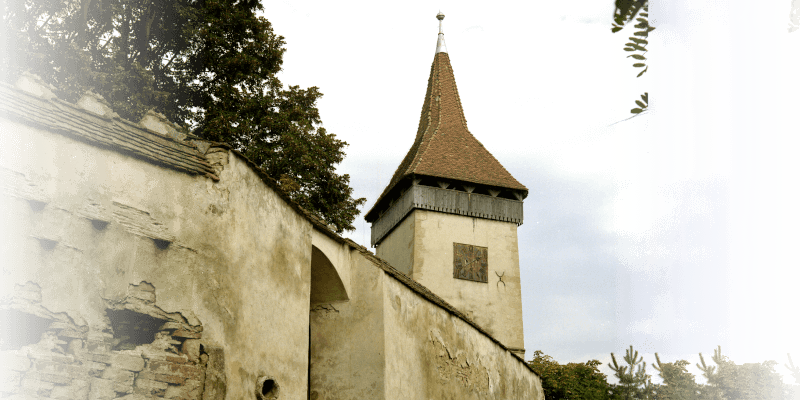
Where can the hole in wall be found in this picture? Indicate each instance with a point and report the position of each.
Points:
(99, 225)
(36, 205)
(133, 329)
(161, 243)
(19, 329)
(267, 388)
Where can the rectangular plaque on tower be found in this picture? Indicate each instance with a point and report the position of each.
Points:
(470, 262)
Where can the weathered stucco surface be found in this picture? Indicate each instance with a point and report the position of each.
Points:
(84, 223)
(398, 246)
(431, 354)
(497, 305)
(347, 340)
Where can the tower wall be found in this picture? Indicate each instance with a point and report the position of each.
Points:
(425, 239)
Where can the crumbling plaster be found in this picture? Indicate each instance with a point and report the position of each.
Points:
(425, 240)
(431, 354)
(235, 255)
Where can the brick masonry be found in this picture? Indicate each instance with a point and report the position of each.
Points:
(70, 361)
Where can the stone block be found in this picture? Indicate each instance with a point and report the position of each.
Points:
(57, 368)
(128, 362)
(99, 358)
(57, 378)
(10, 381)
(166, 378)
(70, 392)
(35, 387)
(13, 361)
(169, 368)
(98, 347)
(192, 390)
(149, 387)
(101, 389)
(183, 333)
(118, 375)
(94, 368)
(191, 348)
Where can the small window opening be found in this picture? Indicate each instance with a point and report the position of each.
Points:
(19, 329)
(133, 329)
(47, 244)
(36, 205)
(99, 225)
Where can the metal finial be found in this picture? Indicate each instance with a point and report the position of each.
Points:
(440, 46)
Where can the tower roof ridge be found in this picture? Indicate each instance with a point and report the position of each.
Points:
(444, 147)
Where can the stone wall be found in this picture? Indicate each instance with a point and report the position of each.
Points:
(225, 264)
(432, 354)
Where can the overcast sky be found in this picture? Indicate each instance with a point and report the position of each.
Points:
(675, 231)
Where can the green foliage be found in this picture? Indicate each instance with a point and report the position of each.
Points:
(210, 64)
(678, 383)
(634, 382)
(570, 381)
(626, 11)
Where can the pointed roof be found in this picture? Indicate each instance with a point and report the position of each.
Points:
(444, 147)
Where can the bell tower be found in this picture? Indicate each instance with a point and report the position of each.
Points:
(448, 218)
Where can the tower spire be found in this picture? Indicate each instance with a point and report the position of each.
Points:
(440, 46)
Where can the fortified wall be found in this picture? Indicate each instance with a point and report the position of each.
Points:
(140, 262)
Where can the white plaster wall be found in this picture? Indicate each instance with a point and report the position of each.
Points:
(398, 246)
(347, 339)
(496, 306)
(238, 263)
(431, 354)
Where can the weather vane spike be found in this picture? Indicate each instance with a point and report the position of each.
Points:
(440, 46)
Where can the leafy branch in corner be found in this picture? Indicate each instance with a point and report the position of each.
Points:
(626, 11)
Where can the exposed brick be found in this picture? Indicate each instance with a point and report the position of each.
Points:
(165, 367)
(192, 390)
(14, 362)
(10, 381)
(191, 347)
(101, 389)
(59, 378)
(127, 361)
(187, 334)
(177, 359)
(173, 379)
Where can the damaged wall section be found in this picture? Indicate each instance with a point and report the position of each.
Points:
(143, 352)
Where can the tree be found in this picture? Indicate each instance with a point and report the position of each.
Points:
(634, 382)
(572, 380)
(753, 381)
(626, 11)
(678, 383)
(210, 64)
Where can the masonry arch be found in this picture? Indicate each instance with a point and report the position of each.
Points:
(326, 284)
(330, 269)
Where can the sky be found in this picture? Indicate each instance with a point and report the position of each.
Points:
(674, 231)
